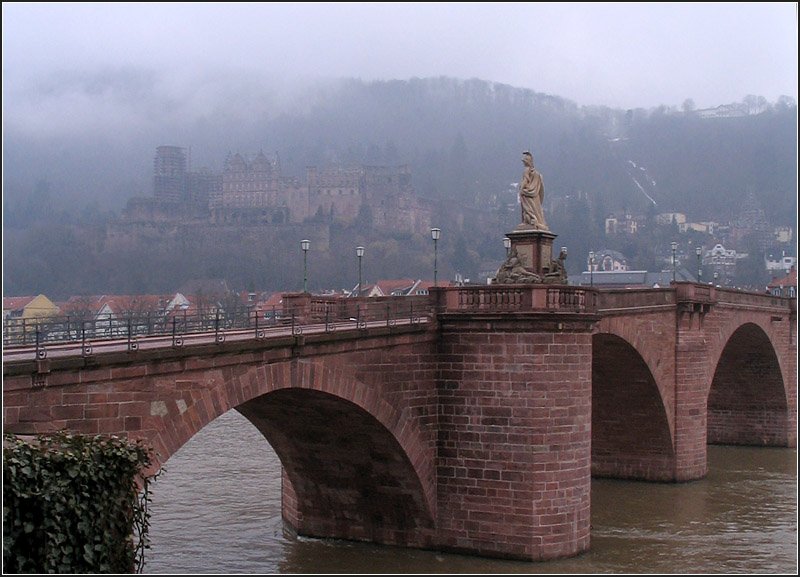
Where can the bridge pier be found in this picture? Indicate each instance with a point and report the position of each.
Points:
(513, 475)
(690, 391)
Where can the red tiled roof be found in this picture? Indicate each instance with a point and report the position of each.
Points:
(787, 281)
(274, 300)
(428, 284)
(16, 303)
(117, 303)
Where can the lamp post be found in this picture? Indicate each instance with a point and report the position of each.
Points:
(507, 244)
(674, 247)
(305, 244)
(359, 254)
(699, 251)
(591, 268)
(435, 234)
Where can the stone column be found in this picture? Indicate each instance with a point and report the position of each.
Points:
(513, 475)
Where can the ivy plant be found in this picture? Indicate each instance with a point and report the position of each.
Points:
(75, 504)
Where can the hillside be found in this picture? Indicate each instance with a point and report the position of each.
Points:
(463, 140)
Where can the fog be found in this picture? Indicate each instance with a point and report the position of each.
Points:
(622, 55)
(89, 90)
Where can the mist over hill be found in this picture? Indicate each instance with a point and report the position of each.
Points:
(462, 139)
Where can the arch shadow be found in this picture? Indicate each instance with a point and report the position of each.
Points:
(631, 436)
(747, 401)
(345, 475)
(354, 466)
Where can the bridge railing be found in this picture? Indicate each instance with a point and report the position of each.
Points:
(294, 312)
(516, 298)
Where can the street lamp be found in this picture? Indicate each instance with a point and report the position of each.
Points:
(359, 254)
(305, 244)
(435, 234)
(591, 268)
(507, 244)
(674, 246)
(698, 251)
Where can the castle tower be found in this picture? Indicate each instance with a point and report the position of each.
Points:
(169, 174)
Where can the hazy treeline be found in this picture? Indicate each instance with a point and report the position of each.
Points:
(463, 140)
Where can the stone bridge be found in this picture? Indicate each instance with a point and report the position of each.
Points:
(476, 428)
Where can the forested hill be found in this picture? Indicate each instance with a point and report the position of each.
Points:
(463, 139)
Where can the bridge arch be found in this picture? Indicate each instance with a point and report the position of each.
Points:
(345, 474)
(631, 431)
(747, 401)
(354, 466)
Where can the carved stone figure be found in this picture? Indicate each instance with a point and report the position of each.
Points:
(531, 195)
(512, 272)
(558, 272)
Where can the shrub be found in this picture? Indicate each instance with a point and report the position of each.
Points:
(75, 504)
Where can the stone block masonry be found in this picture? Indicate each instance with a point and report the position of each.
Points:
(513, 472)
(476, 431)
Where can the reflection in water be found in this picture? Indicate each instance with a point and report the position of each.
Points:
(216, 509)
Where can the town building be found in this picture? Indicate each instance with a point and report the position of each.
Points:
(665, 218)
(625, 224)
(783, 264)
(784, 286)
(722, 261)
(29, 307)
(607, 260)
(399, 287)
(733, 110)
(784, 234)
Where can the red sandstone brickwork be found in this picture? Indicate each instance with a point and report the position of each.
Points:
(652, 335)
(474, 439)
(633, 394)
(349, 477)
(376, 490)
(631, 436)
(682, 349)
(747, 404)
(360, 455)
(736, 331)
(691, 393)
(514, 438)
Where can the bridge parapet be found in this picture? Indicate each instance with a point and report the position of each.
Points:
(687, 295)
(319, 308)
(741, 298)
(515, 298)
(614, 299)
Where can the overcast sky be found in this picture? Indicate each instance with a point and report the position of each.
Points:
(621, 55)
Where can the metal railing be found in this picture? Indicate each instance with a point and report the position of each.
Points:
(330, 314)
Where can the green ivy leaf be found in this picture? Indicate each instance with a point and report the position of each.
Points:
(80, 494)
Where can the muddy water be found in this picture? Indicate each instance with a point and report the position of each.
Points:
(216, 509)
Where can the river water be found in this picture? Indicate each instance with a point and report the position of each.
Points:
(216, 509)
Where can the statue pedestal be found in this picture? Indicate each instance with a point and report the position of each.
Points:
(534, 248)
